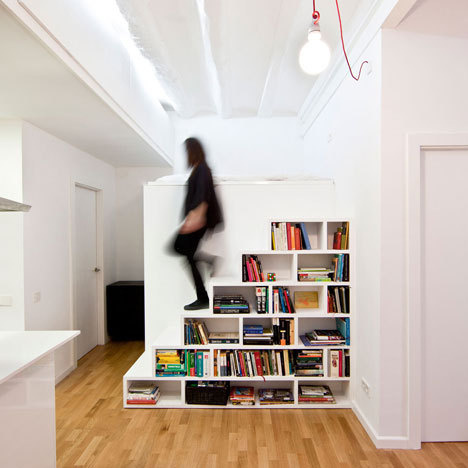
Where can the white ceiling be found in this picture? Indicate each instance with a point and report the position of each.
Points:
(38, 87)
(232, 57)
(444, 18)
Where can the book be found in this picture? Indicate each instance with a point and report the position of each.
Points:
(275, 396)
(306, 300)
(223, 337)
(305, 236)
(242, 396)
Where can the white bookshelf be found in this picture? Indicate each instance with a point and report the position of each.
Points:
(285, 264)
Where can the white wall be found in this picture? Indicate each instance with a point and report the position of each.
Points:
(129, 219)
(50, 167)
(424, 90)
(245, 146)
(344, 144)
(11, 227)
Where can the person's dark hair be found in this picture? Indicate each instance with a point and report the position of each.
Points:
(195, 152)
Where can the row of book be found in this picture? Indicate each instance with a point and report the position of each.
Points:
(338, 300)
(252, 270)
(252, 363)
(230, 304)
(281, 333)
(143, 393)
(338, 363)
(341, 335)
(179, 363)
(341, 237)
(289, 236)
(309, 362)
(340, 266)
(282, 302)
(245, 396)
(196, 333)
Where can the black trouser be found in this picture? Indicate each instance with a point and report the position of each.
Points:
(187, 244)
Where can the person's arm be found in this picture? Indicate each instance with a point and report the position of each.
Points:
(195, 220)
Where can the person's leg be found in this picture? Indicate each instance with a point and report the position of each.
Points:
(187, 244)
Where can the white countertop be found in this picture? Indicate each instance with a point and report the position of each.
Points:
(20, 349)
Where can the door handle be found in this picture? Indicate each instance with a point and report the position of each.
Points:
(97, 270)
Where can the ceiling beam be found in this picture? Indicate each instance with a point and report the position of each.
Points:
(399, 13)
(217, 74)
(284, 22)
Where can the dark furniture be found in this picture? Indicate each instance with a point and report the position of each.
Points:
(126, 310)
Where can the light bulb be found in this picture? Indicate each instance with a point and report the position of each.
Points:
(314, 55)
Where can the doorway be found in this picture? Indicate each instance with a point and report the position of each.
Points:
(86, 270)
(437, 310)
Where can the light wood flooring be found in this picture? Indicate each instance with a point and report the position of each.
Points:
(93, 430)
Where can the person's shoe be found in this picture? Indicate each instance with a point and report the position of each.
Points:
(197, 305)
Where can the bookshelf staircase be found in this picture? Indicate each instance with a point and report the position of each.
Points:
(284, 263)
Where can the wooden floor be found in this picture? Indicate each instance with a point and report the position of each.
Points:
(94, 430)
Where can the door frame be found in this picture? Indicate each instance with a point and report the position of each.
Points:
(416, 144)
(101, 329)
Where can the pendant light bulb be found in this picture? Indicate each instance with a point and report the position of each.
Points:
(314, 56)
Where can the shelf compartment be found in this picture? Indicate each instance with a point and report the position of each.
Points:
(247, 290)
(170, 393)
(309, 287)
(340, 390)
(321, 260)
(315, 234)
(273, 323)
(308, 324)
(332, 227)
(282, 264)
(213, 325)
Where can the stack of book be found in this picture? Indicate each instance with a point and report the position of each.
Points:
(230, 304)
(282, 301)
(340, 267)
(195, 332)
(289, 236)
(341, 237)
(242, 396)
(338, 363)
(275, 396)
(257, 335)
(223, 338)
(314, 274)
(197, 363)
(252, 363)
(252, 269)
(318, 394)
(309, 362)
(323, 338)
(170, 363)
(143, 393)
(262, 299)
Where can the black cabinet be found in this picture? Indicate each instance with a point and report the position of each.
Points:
(126, 310)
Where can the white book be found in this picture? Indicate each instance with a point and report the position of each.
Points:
(278, 363)
(338, 303)
(285, 236)
(206, 364)
(334, 363)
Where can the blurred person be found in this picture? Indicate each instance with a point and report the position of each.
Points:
(202, 213)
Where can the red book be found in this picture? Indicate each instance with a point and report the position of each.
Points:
(258, 363)
(337, 241)
(249, 269)
(141, 402)
(340, 363)
(254, 269)
(241, 362)
(297, 235)
(288, 233)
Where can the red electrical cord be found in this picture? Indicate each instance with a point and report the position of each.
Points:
(344, 49)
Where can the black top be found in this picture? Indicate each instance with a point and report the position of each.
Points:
(201, 189)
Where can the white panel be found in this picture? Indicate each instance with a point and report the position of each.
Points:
(85, 276)
(27, 417)
(444, 256)
(248, 209)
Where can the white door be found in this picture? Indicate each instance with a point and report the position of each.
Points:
(85, 275)
(444, 253)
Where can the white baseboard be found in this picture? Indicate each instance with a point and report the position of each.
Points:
(64, 374)
(380, 442)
